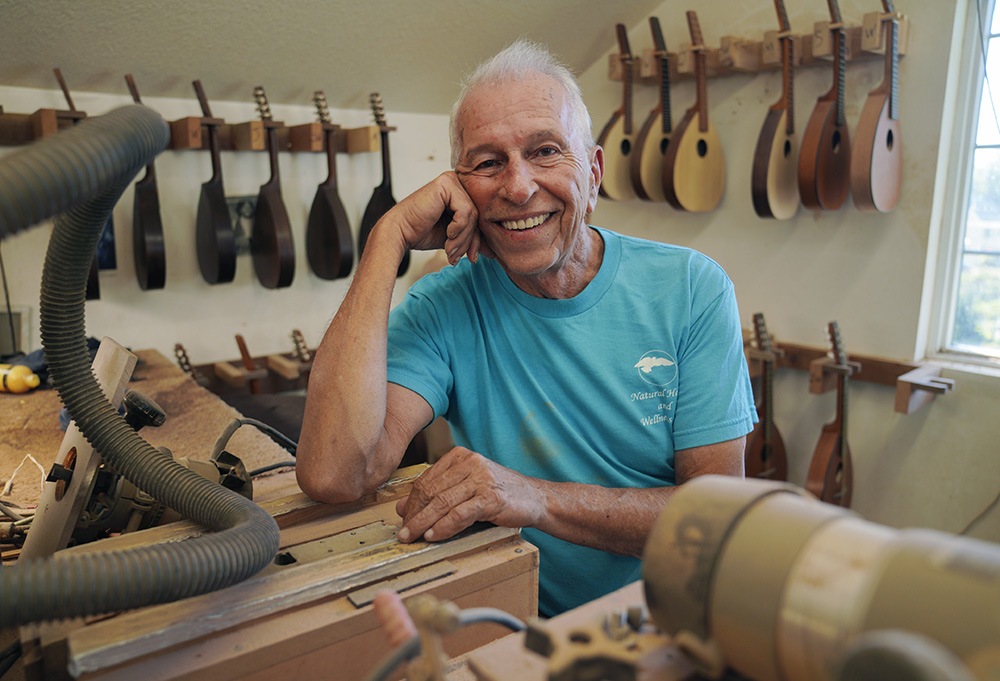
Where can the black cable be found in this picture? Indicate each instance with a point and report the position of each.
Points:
(274, 466)
(10, 313)
(280, 438)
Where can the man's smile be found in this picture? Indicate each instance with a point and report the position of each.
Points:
(527, 223)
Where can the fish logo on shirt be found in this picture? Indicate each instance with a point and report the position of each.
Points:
(657, 368)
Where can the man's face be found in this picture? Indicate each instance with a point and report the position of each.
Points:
(531, 179)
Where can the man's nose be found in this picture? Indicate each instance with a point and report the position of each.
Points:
(518, 183)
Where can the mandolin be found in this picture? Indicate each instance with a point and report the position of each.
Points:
(618, 136)
(825, 159)
(214, 237)
(93, 291)
(271, 237)
(774, 184)
(877, 159)
(329, 246)
(765, 452)
(694, 167)
(646, 166)
(830, 476)
(148, 252)
(382, 199)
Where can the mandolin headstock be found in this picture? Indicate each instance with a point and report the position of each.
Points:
(837, 344)
(263, 107)
(378, 111)
(322, 110)
(761, 336)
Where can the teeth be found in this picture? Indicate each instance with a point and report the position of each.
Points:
(524, 224)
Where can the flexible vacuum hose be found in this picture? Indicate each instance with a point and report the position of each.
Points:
(84, 171)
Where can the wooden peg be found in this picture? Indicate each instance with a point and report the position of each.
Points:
(291, 367)
(823, 373)
(919, 387)
(306, 137)
(185, 133)
(739, 55)
(363, 139)
(239, 377)
(248, 136)
(873, 32)
(822, 39)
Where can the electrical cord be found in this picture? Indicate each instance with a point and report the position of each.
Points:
(286, 442)
(411, 648)
(274, 466)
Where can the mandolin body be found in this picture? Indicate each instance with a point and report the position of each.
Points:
(271, 239)
(877, 161)
(825, 160)
(618, 151)
(694, 167)
(328, 239)
(148, 252)
(830, 476)
(646, 167)
(774, 184)
(764, 459)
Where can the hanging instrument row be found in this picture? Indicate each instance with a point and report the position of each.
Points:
(330, 248)
(684, 165)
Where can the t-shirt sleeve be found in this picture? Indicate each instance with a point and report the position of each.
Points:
(715, 399)
(417, 352)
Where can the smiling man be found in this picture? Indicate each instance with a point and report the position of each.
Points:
(584, 374)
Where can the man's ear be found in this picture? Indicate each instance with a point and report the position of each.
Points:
(596, 174)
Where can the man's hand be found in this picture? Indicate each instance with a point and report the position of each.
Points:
(464, 487)
(439, 215)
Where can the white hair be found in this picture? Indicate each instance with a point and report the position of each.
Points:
(519, 61)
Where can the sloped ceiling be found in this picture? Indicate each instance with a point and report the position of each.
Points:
(412, 51)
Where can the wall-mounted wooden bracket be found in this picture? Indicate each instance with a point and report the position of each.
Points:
(740, 55)
(20, 129)
(190, 133)
(239, 377)
(755, 357)
(919, 387)
(823, 374)
(873, 35)
(293, 366)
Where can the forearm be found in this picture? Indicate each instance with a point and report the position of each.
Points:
(616, 520)
(341, 451)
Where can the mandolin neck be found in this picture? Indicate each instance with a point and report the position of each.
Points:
(892, 66)
(386, 174)
(627, 64)
(272, 152)
(839, 73)
(841, 419)
(767, 397)
(666, 116)
(788, 93)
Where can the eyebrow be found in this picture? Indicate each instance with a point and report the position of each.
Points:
(534, 137)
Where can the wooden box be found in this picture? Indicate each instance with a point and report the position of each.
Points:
(308, 619)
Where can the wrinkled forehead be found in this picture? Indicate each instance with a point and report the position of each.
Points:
(535, 97)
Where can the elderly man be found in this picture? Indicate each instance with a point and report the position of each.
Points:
(584, 374)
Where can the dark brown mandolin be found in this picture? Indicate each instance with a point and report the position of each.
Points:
(765, 452)
(825, 159)
(214, 237)
(271, 239)
(830, 476)
(382, 199)
(328, 233)
(148, 252)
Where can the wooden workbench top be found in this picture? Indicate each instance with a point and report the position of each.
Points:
(29, 425)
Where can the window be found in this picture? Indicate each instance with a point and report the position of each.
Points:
(975, 318)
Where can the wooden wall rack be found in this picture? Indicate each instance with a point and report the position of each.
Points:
(736, 55)
(189, 133)
(916, 384)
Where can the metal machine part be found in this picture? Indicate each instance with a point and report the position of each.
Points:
(760, 577)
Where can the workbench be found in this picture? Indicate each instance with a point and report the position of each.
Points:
(309, 614)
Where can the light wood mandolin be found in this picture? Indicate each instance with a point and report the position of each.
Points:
(825, 159)
(774, 183)
(694, 167)
(830, 476)
(646, 166)
(618, 136)
(765, 452)
(877, 160)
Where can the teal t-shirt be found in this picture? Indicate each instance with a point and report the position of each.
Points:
(600, 388)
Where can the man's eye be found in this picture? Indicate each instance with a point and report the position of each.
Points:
(487, 165)
(547, 151)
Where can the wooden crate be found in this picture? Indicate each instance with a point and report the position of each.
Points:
(309, 620)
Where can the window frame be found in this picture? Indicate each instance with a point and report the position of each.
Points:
(955, 163)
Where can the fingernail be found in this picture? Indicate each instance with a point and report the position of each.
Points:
(429, 535)
(404, 535)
